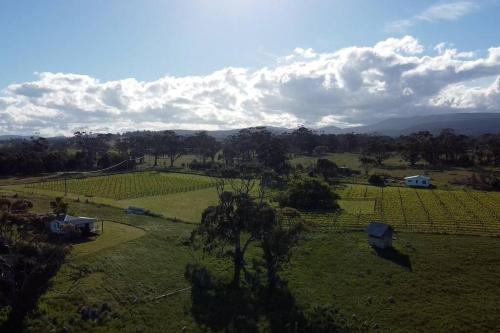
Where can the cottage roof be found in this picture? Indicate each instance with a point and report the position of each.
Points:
(377, 229)
(416, 176)
(74, 219)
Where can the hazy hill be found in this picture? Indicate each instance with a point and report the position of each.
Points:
(462, 123)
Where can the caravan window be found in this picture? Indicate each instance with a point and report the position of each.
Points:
(424, 182)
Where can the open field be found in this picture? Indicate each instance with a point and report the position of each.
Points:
(395, 167)
(416, 210)
(184, 197)
(435, 283)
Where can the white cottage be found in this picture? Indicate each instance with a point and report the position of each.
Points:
(380, 235)
(418, 181)
(85, 224)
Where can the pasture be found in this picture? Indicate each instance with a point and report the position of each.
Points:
(438, 283)
(444, 178)
(185, 196)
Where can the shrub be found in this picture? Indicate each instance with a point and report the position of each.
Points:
(376, 180)
(309, 194)
(21, 206)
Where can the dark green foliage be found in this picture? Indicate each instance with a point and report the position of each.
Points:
(21, 206)
(58, 206)
(326, 168)
(27, 262)
(376, 180)
(309, 194)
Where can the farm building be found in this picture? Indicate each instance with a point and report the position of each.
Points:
(136, 211)
(418, 181)
(380, 235)
(85, 224)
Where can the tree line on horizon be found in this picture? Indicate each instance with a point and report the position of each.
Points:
(87, 151)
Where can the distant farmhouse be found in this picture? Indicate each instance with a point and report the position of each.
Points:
(380, 235)
(418, 181)
(87, 225)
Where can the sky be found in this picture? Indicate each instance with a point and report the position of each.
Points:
(115, 66)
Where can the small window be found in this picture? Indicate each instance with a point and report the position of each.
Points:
(416, 181)
(424, 182)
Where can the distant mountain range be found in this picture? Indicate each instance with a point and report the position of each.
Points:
(462, 123)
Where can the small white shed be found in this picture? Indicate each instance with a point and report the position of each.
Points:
(380, 235)
(418, 181)
(85, 224)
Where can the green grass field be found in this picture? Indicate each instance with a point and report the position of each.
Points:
(185, 196)
(394, 166)
(437, 283)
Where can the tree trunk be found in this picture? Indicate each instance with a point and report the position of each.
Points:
(238, 262)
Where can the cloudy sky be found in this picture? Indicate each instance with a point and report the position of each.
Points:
(114, 66)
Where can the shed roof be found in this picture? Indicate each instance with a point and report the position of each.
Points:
(377, 229)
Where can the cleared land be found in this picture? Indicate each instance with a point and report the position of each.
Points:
(185, 196)
(395, 167)
(434, 283)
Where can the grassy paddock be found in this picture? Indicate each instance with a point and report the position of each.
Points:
(432, 283)
(395, 167)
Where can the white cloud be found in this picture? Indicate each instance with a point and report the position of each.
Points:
(350, 86)
(449, 11)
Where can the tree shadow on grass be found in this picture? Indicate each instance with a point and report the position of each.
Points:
(217, 306)
(395, 256)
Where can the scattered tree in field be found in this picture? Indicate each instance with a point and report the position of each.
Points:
(235, 222)
(326, 168)
(58, 206)
(92, 146)
(173, 146)
(379, 148)
(367, 163)
(309, 194)
(203, 145)
(282, 232)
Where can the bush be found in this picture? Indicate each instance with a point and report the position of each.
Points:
(199, 165)
(21, 206)
(376, 180)
(326, 168)
(309, 194)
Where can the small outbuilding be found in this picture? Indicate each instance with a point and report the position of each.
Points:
(136, 211)
(380, 235)
(418, 181)
(86, 224)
